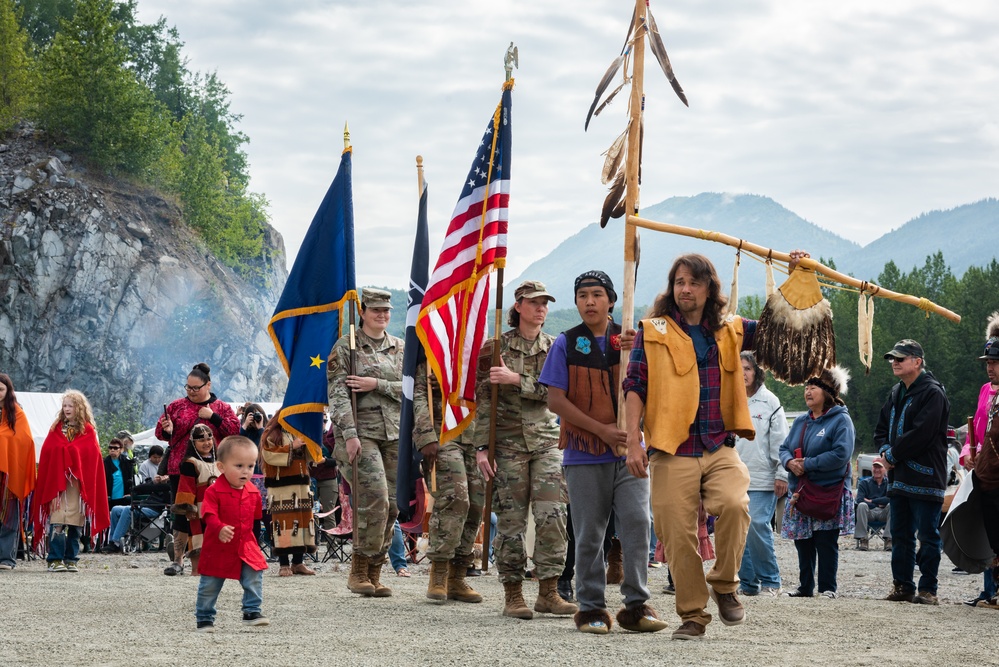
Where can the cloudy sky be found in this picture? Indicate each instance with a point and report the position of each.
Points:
(856, 115)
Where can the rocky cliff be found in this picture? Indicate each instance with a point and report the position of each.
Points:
(103, 288)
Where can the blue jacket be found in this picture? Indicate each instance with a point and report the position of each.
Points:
(826, 443)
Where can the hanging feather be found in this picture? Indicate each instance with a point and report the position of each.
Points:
(795, 338)
(638, 252)
(611, 71)
(771, 285)
(615, 155)
(611, 96)
(659, 51)
(733, 299)
(614, 202)
(865, 330)
(641, 144)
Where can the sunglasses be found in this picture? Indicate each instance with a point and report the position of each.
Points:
(113, 449)
(897, 360)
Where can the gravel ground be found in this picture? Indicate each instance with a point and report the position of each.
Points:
(120, 609)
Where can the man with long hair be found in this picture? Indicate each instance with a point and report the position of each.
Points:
(685, 378)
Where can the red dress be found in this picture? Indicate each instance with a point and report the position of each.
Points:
(184, 414)
(226, 506)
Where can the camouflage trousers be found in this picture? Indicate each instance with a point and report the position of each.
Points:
(529, 482)
(458, 503)
(375, 493)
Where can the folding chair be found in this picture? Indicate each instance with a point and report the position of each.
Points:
(337, 538)
(419, 526)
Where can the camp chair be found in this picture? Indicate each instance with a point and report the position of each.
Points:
(418, 526)
(337, 538)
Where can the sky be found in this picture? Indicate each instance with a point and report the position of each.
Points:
(856, 115)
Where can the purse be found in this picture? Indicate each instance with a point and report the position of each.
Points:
(818, 502)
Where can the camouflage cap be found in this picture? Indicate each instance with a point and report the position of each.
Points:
(530, 289)
(372, 297)
(905, 348)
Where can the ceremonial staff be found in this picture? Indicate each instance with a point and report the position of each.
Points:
(510, 60)
(353, 394)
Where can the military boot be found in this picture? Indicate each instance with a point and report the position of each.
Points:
(550, 602)
(358, 581)
(457, 589)
(514, 605)
(375, 574)
(615, 567)
(437, 588)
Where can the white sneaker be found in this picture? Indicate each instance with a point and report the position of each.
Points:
(828, 594)
(772, 592)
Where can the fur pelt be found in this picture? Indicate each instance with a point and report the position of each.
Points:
(793, 344)
(992, 328)
(582, 618)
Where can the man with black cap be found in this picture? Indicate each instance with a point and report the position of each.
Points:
(873, 505)
(582, 373)
(911, 436)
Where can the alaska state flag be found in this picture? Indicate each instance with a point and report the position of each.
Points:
(307, 319)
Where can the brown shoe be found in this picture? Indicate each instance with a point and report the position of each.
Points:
(358, 581)
(375, 576)
(550, 602)
(925, 597)
(615, 565)
(899, 594)
(457, 588)
(514, 605)
(640, 619)
(863, 544)
(887, 544)
(689, 630)
(285, 571)
(730, 610)
(437, 586)
(302, 568)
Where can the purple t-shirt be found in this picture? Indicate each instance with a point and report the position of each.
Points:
(556, 374)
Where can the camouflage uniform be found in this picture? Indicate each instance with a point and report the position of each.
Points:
(528, 462)
(460, 493)
(377, 428)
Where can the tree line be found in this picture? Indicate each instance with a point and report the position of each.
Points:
(98, 82)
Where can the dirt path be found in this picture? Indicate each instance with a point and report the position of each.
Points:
(122, 610)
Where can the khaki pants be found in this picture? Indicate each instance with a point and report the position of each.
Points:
(679, 484)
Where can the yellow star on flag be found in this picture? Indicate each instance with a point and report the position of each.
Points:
(317, 361)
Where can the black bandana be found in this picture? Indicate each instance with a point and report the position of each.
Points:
(596, 279)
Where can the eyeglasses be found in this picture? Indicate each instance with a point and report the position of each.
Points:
(193, 389)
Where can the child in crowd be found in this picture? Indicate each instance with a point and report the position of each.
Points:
(197, 472)
(230, 549)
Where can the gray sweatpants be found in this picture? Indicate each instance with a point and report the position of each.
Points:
(595, 491)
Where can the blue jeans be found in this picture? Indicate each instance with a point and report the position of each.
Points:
(10, 531)
(823, 546)
(759, 562)
(64, 543)
(121, 520)
(209, 588)
(911, 518)
(397, 551)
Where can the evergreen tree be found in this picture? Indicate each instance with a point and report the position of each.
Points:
(15, 67)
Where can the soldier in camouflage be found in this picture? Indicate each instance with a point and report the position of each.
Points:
(527, 470)
(458, 499)
(374, 439)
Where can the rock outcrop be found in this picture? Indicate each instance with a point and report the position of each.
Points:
(103, 288)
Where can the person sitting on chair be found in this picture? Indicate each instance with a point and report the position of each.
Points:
(157, 497)
(873, 505)
(148, 469)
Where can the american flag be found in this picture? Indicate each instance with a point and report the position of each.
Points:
(452, 320)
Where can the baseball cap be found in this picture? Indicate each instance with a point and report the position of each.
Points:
(905, 348)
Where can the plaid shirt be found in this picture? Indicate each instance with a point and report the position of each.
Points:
(708, 430)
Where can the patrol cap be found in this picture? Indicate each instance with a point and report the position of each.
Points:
(372, 297)
(905, 348)
(530, 289)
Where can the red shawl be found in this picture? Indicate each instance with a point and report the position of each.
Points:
(17, 455)
(81, 459)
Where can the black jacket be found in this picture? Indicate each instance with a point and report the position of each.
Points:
(127, 474)
(912, 436)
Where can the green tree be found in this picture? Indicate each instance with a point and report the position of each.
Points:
(40, 18)
(92, 101)
(15, 67)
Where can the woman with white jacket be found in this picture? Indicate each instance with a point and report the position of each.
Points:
(767, 482)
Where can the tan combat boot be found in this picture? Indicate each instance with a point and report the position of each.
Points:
(457, 588)
(437, 588)
(514, 605)
(375, 575)
(358, 581)
(615, 567)
(550, 602)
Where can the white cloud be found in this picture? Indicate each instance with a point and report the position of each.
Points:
(857, 116)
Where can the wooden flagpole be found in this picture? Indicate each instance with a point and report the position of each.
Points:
(353, 396)
(632, 166)
(430, 391)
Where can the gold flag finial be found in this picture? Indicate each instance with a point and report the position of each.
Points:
(346, 136)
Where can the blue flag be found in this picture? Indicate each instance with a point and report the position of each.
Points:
(307, 320)
(409, 457)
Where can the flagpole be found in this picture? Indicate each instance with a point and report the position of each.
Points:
(632, 167)
(430, 389)
(353, 395)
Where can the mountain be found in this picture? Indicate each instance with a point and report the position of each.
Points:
(752, 217)
(959, 233)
